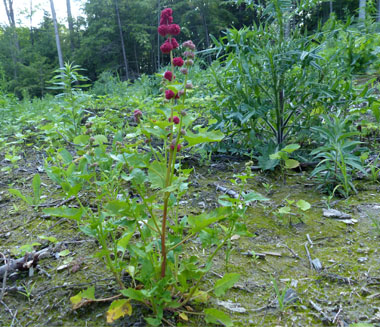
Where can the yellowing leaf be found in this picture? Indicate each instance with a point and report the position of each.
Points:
(183, 316)
(118, 309)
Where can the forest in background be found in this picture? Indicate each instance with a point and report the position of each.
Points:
(95, 41)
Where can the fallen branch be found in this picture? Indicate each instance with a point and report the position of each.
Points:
(25, 263)
(227, 191)
(5, 276)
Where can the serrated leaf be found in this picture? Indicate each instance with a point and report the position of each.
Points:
(157, 175)
(222, 285)
(215, 316)
(118, 309)
(303, 205)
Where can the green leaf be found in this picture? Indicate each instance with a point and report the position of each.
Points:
(133, 294)
(253, 196)
(361, 324)
(303, 205)
(51, 239)
(291, 148)
(36, 185)
(215, 316)
(71, 213)
(81, 139)
(376, 111)
(123, 242)
(222, 285)
(275, 156)
(203, 136)
(203, 220)
(66, 156)
(100, 139)
(64, 253)
(81, 297)
(291, 163)
(137, 175)
(284, 210)
(157, 175)
(17, 193)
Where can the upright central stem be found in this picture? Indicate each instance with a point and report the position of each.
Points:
(164, 218)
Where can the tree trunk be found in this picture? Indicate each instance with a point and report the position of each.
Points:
(12, 24)
(331, 7)
(58, 42)
(122, 40)
(362, 5)
(71, 25)
(378, 11)
(206, 33)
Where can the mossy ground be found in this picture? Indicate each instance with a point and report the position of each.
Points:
(347, 290)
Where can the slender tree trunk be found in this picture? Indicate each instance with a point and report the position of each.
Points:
(158, 35)
(206, 32)
(378, 11)
(362, 6)
(15, 48)
(331, 7)
(136, 59)
(122, 40)
(57, 40)
(71, 25)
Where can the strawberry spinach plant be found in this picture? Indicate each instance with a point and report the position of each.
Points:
(134, 183)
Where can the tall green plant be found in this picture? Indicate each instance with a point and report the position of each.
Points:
(337, 160)
(134, 212)
(270, 74)
(68, 80)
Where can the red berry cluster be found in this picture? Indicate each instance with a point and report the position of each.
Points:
(168, 29)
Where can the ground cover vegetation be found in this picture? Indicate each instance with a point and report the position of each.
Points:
(235, 183)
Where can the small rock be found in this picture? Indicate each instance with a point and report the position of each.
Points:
(362, 259)
(333, 213)
(317, 264)
(202, 204)
(363, 250)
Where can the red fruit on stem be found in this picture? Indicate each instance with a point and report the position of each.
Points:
(178, 62)
(169, 94)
